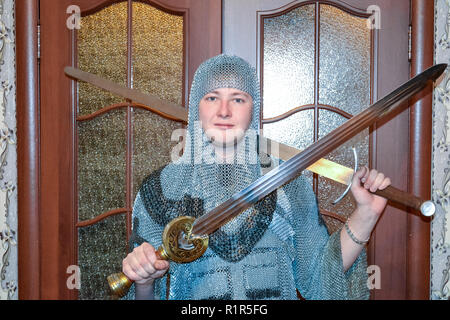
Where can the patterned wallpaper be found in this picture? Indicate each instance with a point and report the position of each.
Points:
(440, 242)
(8, 154)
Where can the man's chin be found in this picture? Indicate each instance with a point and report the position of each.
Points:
(226, 139)
(224, 143)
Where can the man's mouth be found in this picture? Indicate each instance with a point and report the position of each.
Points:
(224, 126)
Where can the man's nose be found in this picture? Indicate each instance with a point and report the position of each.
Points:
(224, 109)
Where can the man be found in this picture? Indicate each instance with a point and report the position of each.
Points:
(271, 250)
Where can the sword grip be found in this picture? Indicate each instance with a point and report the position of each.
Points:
(426, 207)
(119, 283)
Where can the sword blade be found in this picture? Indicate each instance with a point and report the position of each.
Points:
(290, 169)
(332, 170)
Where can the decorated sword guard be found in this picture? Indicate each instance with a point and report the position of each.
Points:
(178, 245)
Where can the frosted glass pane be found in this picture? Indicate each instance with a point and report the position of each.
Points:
(101, 164)
(157, 52)
(288, 68)
(330, 190)
(152, 144)
(344, 68)
(158, 70)
(101, 249)
(296, 130)
(328, 121)
(102, 50)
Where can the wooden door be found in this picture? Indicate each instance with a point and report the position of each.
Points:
(320, 63)
(49, 124)
(95, 148)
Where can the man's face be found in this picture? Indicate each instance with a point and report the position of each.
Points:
(225, 114)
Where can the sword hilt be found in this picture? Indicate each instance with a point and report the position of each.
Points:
(426, 207)
(119, 283)
(178, 246)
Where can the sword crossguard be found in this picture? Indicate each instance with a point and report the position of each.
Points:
(355, 155)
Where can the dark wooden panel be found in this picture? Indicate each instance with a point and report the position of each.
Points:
(204, 33)
(57, 152)
(391, 152)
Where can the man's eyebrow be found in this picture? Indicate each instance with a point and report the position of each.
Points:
(240, 93)
(232, 94)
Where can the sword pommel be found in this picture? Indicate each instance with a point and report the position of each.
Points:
(428, 208)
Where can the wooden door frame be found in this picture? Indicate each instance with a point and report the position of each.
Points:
(32, 223)
(421, 124)
(28, 149)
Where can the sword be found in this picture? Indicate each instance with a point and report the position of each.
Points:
(194, 232)
(290, 169)
(323, 167)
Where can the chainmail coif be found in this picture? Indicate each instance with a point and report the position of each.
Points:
(269, 251)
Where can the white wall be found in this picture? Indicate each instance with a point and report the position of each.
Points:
(440, 242)
(8, 154)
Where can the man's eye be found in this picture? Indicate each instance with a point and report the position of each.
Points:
(210, 98)
(239, 100)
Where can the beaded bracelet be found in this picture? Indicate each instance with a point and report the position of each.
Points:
(352, 236)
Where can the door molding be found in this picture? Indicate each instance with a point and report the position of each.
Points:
(28, 149)
(421, 122)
